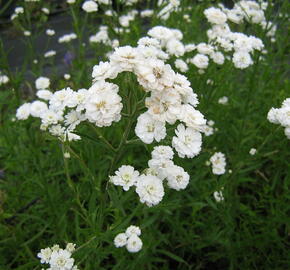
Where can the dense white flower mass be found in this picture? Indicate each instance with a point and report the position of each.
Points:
(57, 258)
(281, 116)
(218, 162)
(130, 239)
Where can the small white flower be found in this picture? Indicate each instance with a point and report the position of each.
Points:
(187, 141)
(253, 151)
(149, 129)
(126, 176)
(90, 6)
(61, 260)
(44, 255)
(131, 230)
(120, 240)
(134, 244)
(150, 189)
(218, 195)
(223, 100)
(177, 178)
(42, 83)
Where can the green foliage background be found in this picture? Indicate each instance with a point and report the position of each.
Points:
(46, 199)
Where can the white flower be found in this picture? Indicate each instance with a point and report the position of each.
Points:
(70, 247)
(50, 32)
(162, 152)
(60, 98)
(37, 108)
(50, 117)
(217, 57)
(253, 151)
(44, 255)
(19, 10)
(67, 38)
(3, 79)
(283, 116)
(200, 61)
(161, 167)
(23, 111)
(103, 105)
(188, 141)
(42, 83)
(177, 178)
(181, 65)
(175, 47)
(50, 53)
(149, 129)
(215, 15)
(126, 176)
(120, 240)
(73, 118)
(125, 58)
(27, 33)
(90, 6)
(67, 155)
(155, 75)
(223, 100)
(45, 10)
(164, 106)
(204, 48)
(131, 230)
(66, 76)
(150, 189)
(104, 70)
(218, 162)
(218, 195)
(192, 117)
(134, 244)
(242, 59)
(272, 116)
(61, 260)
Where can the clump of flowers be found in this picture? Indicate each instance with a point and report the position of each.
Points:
(58, 258)
(130, 239)
(281, 116)
(150, 184)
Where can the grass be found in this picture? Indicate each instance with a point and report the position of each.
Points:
(46, 199)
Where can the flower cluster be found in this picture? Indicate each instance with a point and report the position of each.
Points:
(218, 162)
(149, 184)
(58, 258)
(281, 116)
(130, 239)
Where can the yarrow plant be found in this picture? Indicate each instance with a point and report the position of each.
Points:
(125, 123)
